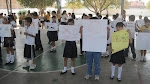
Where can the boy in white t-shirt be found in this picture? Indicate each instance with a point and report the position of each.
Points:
(29, 52)
(36, 24)
(131, 26)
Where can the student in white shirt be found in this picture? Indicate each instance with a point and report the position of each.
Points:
(140, 23)
(64, 18)
(36, 24)
(54, 14)
(29, 52)
(8, 43)
(13, 23)
(133, 29)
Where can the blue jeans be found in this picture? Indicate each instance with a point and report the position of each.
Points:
(90, 56)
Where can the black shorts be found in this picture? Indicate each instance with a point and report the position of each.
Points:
(118, 58)
(20, 22)
(8, 42)
(70, 50)
(53, 36)
(29, 52)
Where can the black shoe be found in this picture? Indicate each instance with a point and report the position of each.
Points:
(36, 49)
(111, 77)
(73, 73)
(41, 49)
(7, 63)
(11, 63)
(63, 73)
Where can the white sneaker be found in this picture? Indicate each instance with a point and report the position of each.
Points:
(87, 77)
(26, 64)
(96, 77)
(144, 59)
(32, 66)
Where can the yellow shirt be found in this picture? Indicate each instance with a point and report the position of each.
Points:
(20, 17)
(145, 29)
(48, 17)
(28, 15)
(59, 16)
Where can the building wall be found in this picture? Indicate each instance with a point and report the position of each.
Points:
(136, 4)
(15, 4)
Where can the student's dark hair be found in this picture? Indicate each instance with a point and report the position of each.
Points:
(94, 18)
(147, 21)
(11, 18)
(132, 17)
(70, 20)
(106, 19)
(140, 15)
(28, 19)
(64, 12)
(54, 12)
(35, 14)
(90, 15)
(145, 18)
(100, 16)
(114, 16)
(117, 14)
(119, 24)
(72, 13)
(97, 14)
(4, 14)
(107, 15)
(54, 16)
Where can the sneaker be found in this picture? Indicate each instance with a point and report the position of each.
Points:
(87, 77)
(63, 72)
(119, 79)
(32, 66)
(134, 59)
(111, 77)
(144, 59)
(26, 64)
(96, 77)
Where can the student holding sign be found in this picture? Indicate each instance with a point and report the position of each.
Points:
(132, 27)
(118, 57)
(95, 36)
(70, 50)
(52, 33)
(145, 28)
(8, 43)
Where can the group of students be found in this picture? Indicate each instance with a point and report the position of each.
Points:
(32, 26)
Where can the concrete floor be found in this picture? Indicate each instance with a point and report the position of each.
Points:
(49, 66)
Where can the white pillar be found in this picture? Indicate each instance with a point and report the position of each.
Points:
(122, 6)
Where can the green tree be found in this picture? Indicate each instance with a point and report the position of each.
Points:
(40, 4)
(74, 5)
(148, 5)
(97, 6)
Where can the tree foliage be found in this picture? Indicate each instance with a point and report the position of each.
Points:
(36, 3)
(148, 5)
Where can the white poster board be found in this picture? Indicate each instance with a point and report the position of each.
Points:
(95, 35)
(5, 30)
(78, 22)
(69, 33)
(131, 26)
(142, 41)
(35, 24)
(52, 26)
